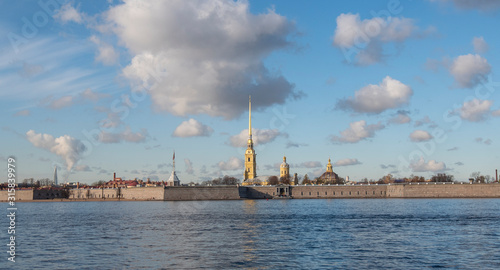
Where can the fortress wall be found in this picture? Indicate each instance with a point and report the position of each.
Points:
(143, 193)
(361, 191)
(21, 195)
(260, 192)
(95, 193)
(440, 190)
(202, 193)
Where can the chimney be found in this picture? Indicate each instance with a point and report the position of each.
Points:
(114, 176)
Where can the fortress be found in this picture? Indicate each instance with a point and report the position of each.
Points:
(185, 193)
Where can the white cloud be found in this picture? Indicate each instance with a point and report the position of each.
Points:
(189, 166)
(346, 162)
(62, 102)
(67, 147)
(233, 163)
(356, 132)
(495, 113)
(107, 54)
(127, 136)
(389, 94)
(366, 37)
(400, 118)
(485, 141)
(480, 45)
(475, 110)
(294, 144)
(92, 96)
(430, 166)
(68, 13)
(203, 57)
(420, 136)
(470, 70)
(192, 128)
(259, 136)
(423, 121)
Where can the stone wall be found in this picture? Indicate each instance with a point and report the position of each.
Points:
(143, 193)
(202, 193)
(21, 195)
(414, 190)
(361, 191)
(440, 190)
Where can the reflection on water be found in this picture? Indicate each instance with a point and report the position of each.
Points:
(320, 234)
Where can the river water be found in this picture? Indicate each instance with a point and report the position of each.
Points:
(274, 234)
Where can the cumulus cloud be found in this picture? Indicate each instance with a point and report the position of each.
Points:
(67, 13)
(480, 45)
(423, 121)
(475, 110)
(206, 57)
(420, 136)
(469, 70)
(259, 136)
(347, 162)
(389, 94)
(233, 163)
(125, 136)
(106, 53)
(192, 128)
(364, 39)
(401, 117)
(189, 166)
(67, 147)
(430, 166)
(356, 132)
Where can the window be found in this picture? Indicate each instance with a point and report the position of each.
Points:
(341, 193)
(301, 193)
(349, 193)
(374, 192)
(366, 192)
(248, 159)
(318, 193)
(309, 193)
(326, 193)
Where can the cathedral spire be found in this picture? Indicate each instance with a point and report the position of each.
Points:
(249, 117)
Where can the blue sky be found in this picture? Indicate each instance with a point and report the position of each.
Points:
(400, 87)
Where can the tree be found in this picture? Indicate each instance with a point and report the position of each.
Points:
(230, 181)
(285, 180)
(306, 180)
(273, 180)
(99, 183)
(442, 177)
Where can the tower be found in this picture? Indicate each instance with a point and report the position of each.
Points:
(173, 180)
(55, 175)
(329, 166)
(250, 162)
(284, 169)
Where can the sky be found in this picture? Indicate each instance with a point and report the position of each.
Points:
(401, 87)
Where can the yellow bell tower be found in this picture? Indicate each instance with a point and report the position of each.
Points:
(250, 162)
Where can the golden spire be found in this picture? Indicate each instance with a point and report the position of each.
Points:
(249, 117)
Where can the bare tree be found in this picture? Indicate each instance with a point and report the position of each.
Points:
(273, 180)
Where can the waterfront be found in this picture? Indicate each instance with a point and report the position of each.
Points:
(274, 234)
